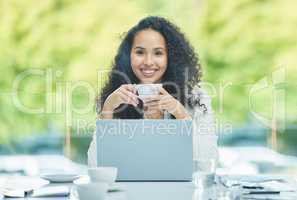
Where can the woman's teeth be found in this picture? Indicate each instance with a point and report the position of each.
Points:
(148, 72)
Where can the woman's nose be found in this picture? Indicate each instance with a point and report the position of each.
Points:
(148, 60)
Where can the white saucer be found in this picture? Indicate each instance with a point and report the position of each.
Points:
(60, 178)
(114, 187)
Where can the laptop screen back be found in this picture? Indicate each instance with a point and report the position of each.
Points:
(146, 150)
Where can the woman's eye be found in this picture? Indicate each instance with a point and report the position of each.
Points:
(139, 52)
(159, 53)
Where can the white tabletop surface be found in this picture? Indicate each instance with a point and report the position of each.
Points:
(145, 191)
(131, 190)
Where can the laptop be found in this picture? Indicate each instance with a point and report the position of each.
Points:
(146, 150)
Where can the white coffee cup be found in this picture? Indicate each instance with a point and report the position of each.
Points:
(147, 90)
(91, 191)
(103, 174)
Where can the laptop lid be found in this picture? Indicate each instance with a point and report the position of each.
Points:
(146, 150)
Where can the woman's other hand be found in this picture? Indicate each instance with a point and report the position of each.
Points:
(125, 94)
(165, 101)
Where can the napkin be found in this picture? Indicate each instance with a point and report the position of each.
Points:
(20, 186)
(51, 191)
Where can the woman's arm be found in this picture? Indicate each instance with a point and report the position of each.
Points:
(107, 111)
(125, 94)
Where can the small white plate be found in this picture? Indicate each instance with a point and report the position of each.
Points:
(60, 178)
(114, 187)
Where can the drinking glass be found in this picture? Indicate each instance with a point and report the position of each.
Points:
(204, 173)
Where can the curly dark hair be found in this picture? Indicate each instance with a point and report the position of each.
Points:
(182, 60)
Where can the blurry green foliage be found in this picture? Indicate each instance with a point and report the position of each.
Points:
(244, 42)
(239, 42)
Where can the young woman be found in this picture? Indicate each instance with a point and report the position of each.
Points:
(155, 51)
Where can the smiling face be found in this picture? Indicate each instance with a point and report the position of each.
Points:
(149, 56)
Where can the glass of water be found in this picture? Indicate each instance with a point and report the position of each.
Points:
(204, 173)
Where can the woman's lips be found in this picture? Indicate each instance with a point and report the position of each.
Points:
(148, 72)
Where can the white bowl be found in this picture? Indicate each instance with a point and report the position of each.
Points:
(91, 191)
(103, 174)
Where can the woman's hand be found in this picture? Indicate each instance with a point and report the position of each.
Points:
(125, 94)
(152, 112)
(165, 101)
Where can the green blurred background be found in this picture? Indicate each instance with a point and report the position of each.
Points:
(241, 44)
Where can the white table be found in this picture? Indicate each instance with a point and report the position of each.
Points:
(169, 191)
(149, 191)
(157, 191)
(132, 190)
(144, 191)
